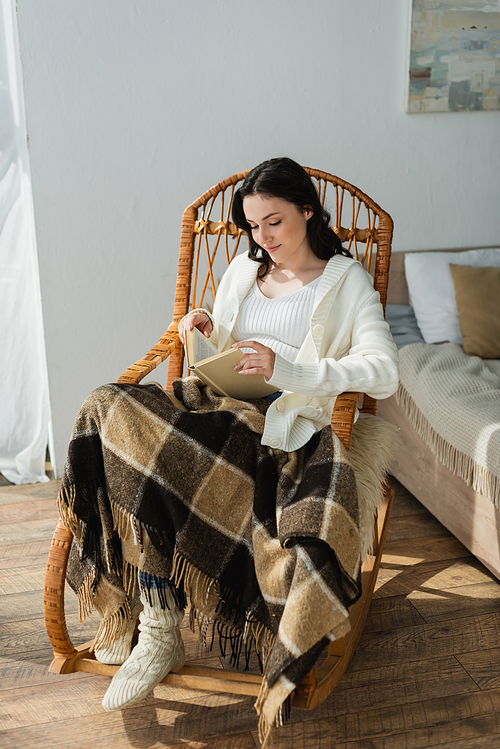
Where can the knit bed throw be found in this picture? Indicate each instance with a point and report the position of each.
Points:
(453, 402)
(264, 545)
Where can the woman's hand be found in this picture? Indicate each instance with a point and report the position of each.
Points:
(195, 320)
(261, 362)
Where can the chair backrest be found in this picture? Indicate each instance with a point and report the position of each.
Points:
(209, 241)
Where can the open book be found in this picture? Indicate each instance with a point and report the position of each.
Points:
(217, 369)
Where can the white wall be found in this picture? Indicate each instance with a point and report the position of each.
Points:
(135, 107)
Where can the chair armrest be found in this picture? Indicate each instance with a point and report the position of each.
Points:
(343, 415)
(166, 345)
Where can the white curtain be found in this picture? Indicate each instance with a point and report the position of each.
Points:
(24, 390)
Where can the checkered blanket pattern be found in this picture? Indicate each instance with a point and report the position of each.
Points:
(263, 544)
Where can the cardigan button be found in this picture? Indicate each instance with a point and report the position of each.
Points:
(318, 330)
(275, 443)
(280, 405)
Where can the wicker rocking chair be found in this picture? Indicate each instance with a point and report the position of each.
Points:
(209, 241)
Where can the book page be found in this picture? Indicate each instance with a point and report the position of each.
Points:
(200, 347)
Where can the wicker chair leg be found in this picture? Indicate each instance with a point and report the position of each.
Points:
(53, 601)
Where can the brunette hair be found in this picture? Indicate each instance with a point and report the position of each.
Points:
(284, 178)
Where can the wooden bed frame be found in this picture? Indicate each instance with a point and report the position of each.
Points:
(470, 516)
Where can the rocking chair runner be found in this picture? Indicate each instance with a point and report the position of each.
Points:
(209, 241)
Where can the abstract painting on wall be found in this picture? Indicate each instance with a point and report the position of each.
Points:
(454, 56)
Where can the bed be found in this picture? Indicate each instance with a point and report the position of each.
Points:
(448, 403)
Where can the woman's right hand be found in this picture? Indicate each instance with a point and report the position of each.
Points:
(195, 320)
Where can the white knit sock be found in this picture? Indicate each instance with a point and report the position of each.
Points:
(159, 650)
(119, 650)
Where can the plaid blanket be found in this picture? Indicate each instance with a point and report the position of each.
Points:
(176, 486)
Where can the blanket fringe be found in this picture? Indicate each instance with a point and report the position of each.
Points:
(272, 714)
(459, 463)
(197, 587)
(201, 588)
(264, 725)
(112, 628)
(214, 608)
(86, 596)
(211, 611)
(130, 580)
(124, 522)
(65, 504)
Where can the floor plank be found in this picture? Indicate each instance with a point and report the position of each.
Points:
(410, 725)
(141, 729)
(390, 613)
(478, 742)
(32, 530)
(423, 550)
(368, 688)
(406, 505)
(428, 641)
(424, 674)
(25, 554)
(316, 734)
(28, 492)
(21, 580)
(398, 579)
(415, 526)
(483, 666)
(26, 605)
(16, 674)
(36, 509)
(463, 600)
(19, 639)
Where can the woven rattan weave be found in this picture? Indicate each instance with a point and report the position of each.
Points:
(208, 243)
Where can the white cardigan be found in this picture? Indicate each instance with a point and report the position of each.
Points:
(348, 348)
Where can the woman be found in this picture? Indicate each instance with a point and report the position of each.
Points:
(142, 491)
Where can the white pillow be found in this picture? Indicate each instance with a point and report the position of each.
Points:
(432, 292)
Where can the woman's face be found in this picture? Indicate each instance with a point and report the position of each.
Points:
(279, 227)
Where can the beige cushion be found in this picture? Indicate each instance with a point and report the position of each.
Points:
(432, 293)
(477, 293)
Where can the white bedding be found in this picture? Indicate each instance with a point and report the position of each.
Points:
(453, 401)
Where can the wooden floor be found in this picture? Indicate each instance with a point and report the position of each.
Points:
(426, 672)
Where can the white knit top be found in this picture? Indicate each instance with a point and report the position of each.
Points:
(281, 323)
